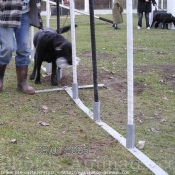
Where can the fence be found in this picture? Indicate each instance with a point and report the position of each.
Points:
(107, 4)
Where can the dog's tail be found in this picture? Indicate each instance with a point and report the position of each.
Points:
(64, 29)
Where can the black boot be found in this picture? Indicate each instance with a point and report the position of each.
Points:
(22, 77)
(116, 27)
(2, 71)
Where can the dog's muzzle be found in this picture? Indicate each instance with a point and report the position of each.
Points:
(62, 63)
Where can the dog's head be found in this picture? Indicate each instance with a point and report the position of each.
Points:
(65, 55)
(173, 20)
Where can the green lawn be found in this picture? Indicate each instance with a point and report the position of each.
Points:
(72, 141)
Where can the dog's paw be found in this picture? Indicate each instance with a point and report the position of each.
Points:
(77, 61)
(37, 82)
(32, 77)
(54, 83)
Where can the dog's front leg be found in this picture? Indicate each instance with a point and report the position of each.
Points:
(164, 23)
(53, 76)
(152, 23)
(38, 70)
(157, 24)
(32, 76)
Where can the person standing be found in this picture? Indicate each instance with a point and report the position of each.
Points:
(144, 6)
(16, 16)
(117, 11)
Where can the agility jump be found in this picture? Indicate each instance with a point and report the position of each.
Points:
(129, 142)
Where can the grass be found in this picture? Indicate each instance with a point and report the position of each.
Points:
(72, 141)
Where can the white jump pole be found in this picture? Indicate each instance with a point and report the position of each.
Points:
(47, 25)
(161, 4)
(130, 130)
(86, 6)
(171, 9)
(31, 42)
(75, 84)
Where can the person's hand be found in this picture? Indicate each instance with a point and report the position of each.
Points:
(155, 4)
(121, 10)
(66, 1)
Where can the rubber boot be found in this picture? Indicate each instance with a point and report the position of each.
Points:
(2, 71)
(116, 27)
(22, 77)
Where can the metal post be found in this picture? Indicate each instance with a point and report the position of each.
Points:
(59, 71)
(96, 114)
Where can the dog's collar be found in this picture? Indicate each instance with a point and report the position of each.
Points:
(61, 46)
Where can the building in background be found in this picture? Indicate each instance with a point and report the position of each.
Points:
(107, 4)
(102, 6)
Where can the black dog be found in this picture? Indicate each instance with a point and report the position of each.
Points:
(163, 18)
(50, 47)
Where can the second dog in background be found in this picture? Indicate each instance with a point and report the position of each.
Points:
(163, 18)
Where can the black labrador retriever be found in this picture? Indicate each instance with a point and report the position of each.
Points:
(163, 18)
(52, 48)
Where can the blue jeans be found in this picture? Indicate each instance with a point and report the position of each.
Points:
(140, 16)
(8, 44)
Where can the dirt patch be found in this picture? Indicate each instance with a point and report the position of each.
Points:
(90, 152)
(112, 81)
(86, 78)
(168, 72)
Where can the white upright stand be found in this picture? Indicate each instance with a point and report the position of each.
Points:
(171, 9)
(129, 142)
(130, 128)
(48, 25)
(75, 83)
(86, 6)
(31, 43)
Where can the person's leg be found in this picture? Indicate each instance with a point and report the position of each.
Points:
(22, 40)
(6, 49)
(6, 44)
(22, 55)
(116, 27)
(147, 20)
(115, 17)
(2, 71)
(140, 16)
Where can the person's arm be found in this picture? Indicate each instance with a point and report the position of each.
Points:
(154, 3)
(120, 6)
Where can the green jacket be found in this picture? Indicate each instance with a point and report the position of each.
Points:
(117, 11)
